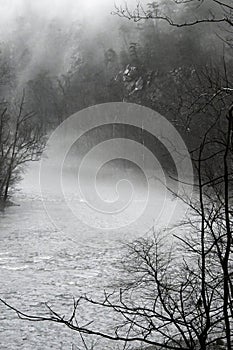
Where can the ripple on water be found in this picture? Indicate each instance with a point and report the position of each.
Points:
(39, 263)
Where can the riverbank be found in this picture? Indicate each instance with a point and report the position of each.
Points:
(6, 204)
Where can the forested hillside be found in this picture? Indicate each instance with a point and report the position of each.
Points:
(60, 68)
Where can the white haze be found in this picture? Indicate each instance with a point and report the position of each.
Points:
(46, 33)
(94, 12)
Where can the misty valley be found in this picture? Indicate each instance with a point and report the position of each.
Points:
(116, 164)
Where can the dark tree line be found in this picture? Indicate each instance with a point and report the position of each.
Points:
(141, 69)
(179, 298)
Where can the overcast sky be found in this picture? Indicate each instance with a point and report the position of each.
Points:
(67, 9)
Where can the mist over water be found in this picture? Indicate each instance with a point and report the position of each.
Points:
(65, 235)
(49, 255)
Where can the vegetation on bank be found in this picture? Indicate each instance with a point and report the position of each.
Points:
(176, 73)
(179, 300)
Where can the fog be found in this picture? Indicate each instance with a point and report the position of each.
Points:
(66, 10)
(45, 35)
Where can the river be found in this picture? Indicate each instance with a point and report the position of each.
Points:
(46, 261)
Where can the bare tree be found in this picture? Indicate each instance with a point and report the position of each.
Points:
(175, 296)
(180, 296)
(218, 12)
(21, 141)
